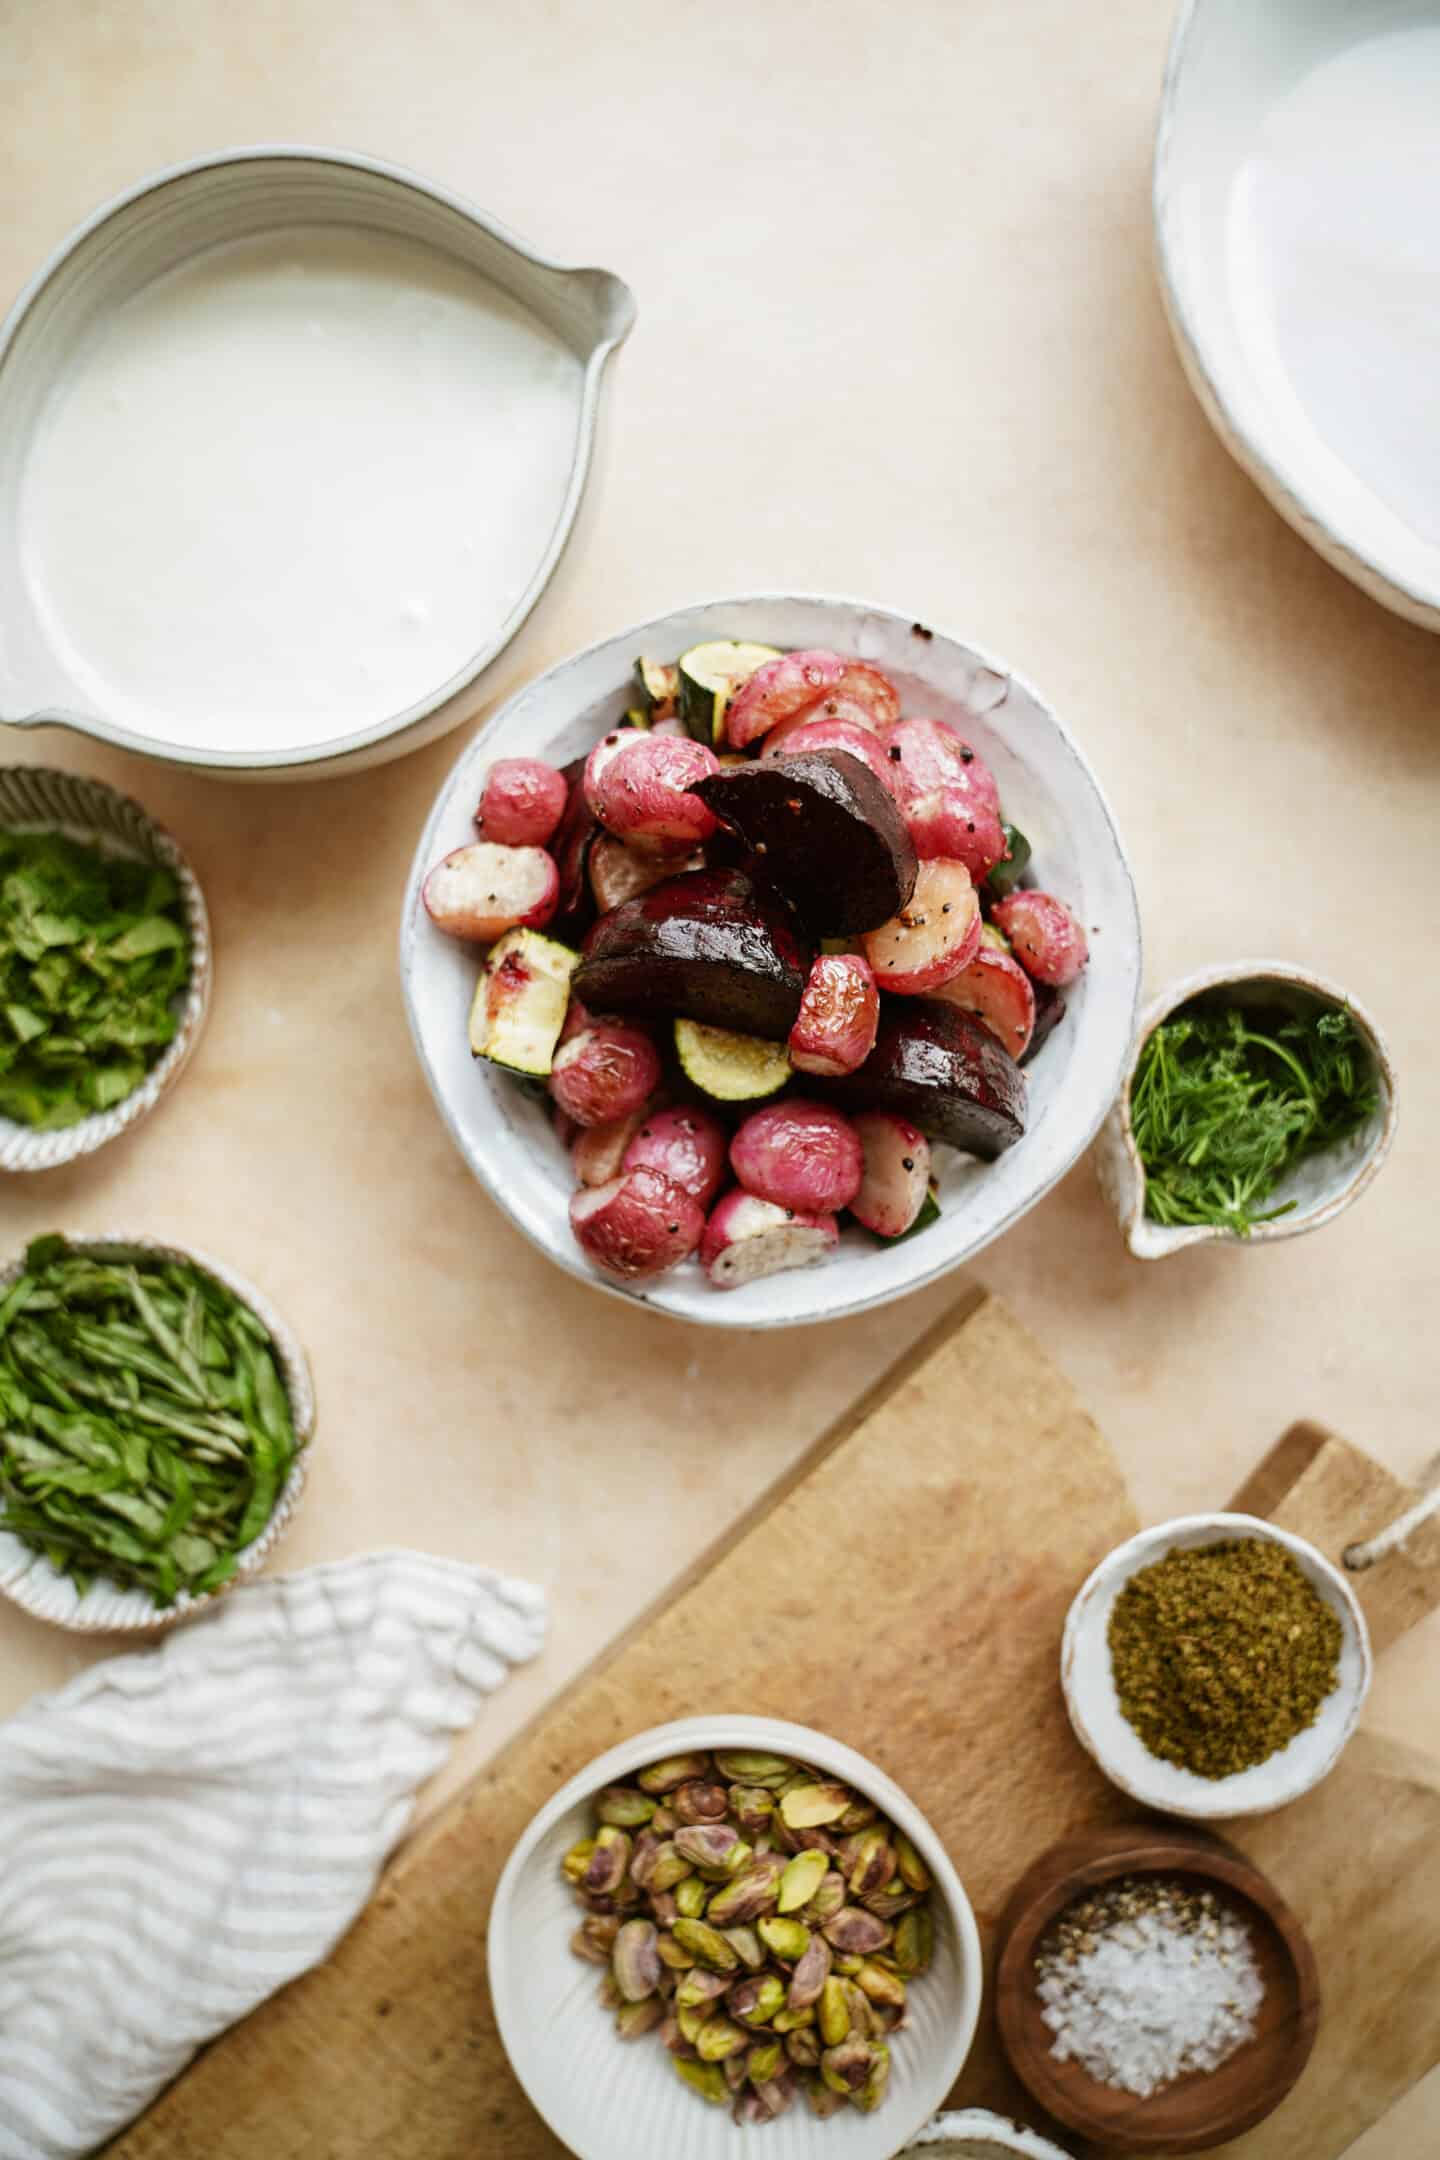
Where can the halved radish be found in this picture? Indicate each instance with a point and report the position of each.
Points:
(839, 1016)
(598, 1153)
(955, 821)
(522, 802)
(897, 1173)
(779, 689)
(687, 1145)
(998, 991)
(1048, 942)
(841, 711)
(640, 794)
(805, 734)
(637, 1226)
(935, 935)
(481, 891)
(926, 754)
(618, 872)
(799, 1154)
(873, 692)
(604, 754)
(746, 1238)
(604, 1073)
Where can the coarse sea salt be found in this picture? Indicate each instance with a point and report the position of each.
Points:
(1146, 1983)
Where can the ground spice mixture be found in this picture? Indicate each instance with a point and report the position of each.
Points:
(1146, 1981)
(1222, 1654)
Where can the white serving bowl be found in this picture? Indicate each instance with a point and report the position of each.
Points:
(1101, 1727)
(1048, 790)
(35, 800)
(610, 2101)
(976, 2134)
(1320, 1186)
(28, 1579)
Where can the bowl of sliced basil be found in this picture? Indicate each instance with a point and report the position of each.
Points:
(105, 966)
(155, 1421)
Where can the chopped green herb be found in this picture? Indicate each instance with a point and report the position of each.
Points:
(94, 956)
(145, 1432)
(1225, 1102)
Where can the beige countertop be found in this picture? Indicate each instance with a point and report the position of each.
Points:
(899, 337)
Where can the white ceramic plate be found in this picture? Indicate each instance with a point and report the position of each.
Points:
(1048, 790)
(1103, 1730)
(1297, 207)
(611, 2101)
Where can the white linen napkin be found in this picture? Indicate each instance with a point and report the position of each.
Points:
(186, 1828)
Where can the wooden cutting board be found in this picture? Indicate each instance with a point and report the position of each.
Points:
(905, 1590)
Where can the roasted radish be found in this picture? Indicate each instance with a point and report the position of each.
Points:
(604, 1073)
(928, 754)
(709, 946)
(604, 754)
(618, 872)
(804, 734)
(520, 1002)
(784, 686)
(522, 802)
(950, 821)
(687, 1145)
(839, 1014)
(598, 1152)
(864, 686)
(643, 794)
(934, 936)
(897, 1173)
(799, 1154)
(481, 891)
(938, 1066)
(998, 991)
(746, 1238)
(828, 834)
(1045, 937)
(637, 1226)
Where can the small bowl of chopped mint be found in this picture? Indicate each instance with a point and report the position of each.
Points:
(1259, 1103)
(104, 966)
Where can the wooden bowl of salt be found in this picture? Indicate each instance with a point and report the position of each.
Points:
(1203, 1892)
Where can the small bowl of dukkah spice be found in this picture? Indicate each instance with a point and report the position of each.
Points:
(1258, 1104)
(104, 966)
(1215, 1666)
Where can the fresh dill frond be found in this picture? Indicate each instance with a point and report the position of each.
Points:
(1226, 1101)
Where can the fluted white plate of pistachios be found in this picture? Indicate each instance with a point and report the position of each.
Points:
(734, 1935)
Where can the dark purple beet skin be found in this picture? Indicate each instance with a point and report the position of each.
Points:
(1049, 1012)
(708, 946)
(830, 837)
(936, 1065)
(574, 837)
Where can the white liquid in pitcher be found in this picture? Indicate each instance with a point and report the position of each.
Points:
(289, 488)
(1335, 252)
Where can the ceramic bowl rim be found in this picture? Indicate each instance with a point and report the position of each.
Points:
(1078, 1640)
(779, 1736)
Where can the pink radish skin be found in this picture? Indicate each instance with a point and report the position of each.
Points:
(841, 711)
(935, 935)
(605, 1073)
(618, 872)
(604, 754)
(897, 1173)
(779, 689)
(1047, 940)
(640, 795)
(599, 1153)
(747, 1238)
(997, 990)
(637, 1225)
(932, 754)
(522, 802)
(873, 692)
(847, 735)
(688, 1146)
(951, 821)
(481, 891)
(838, 1019)
(799, 1154)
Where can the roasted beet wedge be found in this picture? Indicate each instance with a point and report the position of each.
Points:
(708, 946)
(830, 836)
(936, 1065)
(574, 837)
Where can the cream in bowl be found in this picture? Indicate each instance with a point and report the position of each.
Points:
(1215, 1666)
(716, 1993)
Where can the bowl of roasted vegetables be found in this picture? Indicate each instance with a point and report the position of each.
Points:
(768, 960)
(734, 1934)
(155, 1420)
(104, 966)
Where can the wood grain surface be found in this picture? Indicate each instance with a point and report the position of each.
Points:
(905, 1591)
